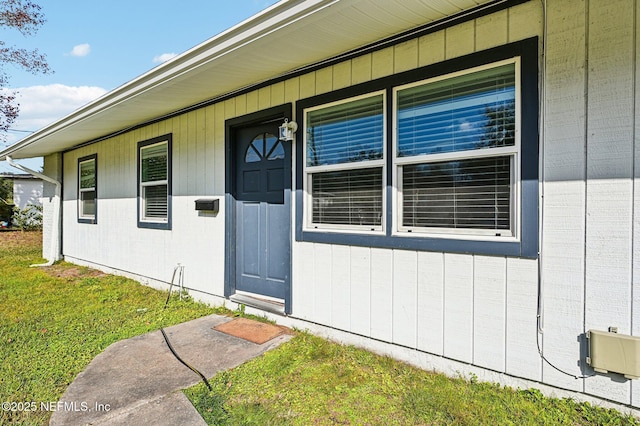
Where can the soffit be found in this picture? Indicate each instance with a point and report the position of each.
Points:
(287, 36)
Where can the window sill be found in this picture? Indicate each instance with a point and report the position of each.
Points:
(154, 225)
(420, 233)
(510, 248)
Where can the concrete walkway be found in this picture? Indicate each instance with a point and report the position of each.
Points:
(138, 381)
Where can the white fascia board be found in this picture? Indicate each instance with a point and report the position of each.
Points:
(270, 20)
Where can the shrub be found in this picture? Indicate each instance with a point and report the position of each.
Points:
(6, 212)
(29, 218)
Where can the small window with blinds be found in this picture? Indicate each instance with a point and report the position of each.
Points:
(154, 190)
(344, 164)
(87, 189)
(456, 149)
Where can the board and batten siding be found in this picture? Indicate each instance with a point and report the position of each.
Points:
(476, 310)
(589, 248)
(116, 241)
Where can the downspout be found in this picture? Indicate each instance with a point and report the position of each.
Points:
(54, 250)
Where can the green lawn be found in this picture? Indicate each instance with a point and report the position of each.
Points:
(310, 381)
(53, 321)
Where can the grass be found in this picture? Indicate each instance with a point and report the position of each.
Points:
(310, 381)
(54, 321)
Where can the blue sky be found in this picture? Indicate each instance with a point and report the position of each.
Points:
(94, 47)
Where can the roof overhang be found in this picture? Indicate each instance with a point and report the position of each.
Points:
(288, 36)
(15, 176)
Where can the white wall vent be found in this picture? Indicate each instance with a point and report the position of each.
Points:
(610, 352)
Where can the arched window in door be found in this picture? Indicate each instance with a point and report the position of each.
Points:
(265, 146)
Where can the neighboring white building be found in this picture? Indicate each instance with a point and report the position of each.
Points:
(27, 189)
(460, 191)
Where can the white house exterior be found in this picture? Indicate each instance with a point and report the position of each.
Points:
(460, 191)
(27, 189)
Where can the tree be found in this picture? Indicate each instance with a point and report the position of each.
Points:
(6, 189)
(26, 17)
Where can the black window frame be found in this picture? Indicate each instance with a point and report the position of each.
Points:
(94, 219)
(144, 223)
(527, 245)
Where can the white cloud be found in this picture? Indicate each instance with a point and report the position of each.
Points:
(42, 105)
(80, 50)
(164, 57)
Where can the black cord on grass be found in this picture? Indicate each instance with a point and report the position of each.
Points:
(166, 339)
(204, 379)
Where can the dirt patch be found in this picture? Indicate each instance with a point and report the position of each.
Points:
(71, 272)
(10, 238)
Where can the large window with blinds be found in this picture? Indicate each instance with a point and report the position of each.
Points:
(87, 189)
(456, 151)
(154, 183)
(441, 158)
(345, 163)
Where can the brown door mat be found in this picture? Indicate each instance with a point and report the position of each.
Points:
(253, 331)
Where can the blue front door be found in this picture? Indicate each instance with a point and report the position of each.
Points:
(263, 211)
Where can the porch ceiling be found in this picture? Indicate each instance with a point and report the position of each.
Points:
(287, 36)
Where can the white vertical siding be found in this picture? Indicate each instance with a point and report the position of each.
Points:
(458, 307)
(322, 284)
(117, 242)
(479, 310)
(564, 191)
(492, 30)
(609, 176)
(382, 63)
(381, 294)
(342, 75)
(360, 290)
(340, 303)
(460, 40)
(635, 301)
(489, 301)
(521, 353)
(589, 193)
(431, 49)
(526, 19)
(27, 191)
(431, 302)
(405, 297)
(406, 56)
(303, 291)
(53, 167)
(361, 69)
(447, 304)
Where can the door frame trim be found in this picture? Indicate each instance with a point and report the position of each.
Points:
(231, 127)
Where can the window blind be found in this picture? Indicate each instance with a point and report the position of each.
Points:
(467, 112)
(155, 201)
(344, 133)
(154, 162)
(474, 193)
(348, 197)
(87, 203)
(87, 174)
